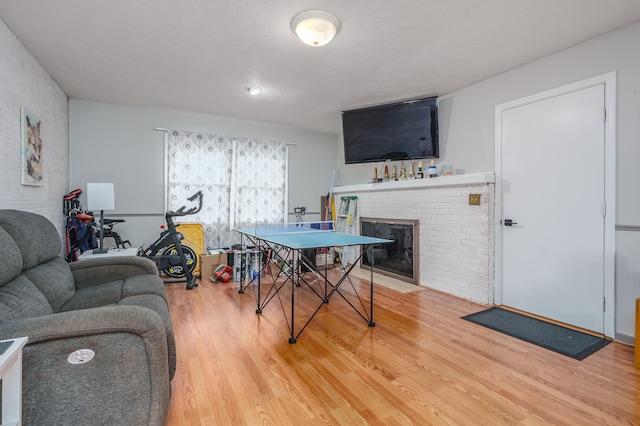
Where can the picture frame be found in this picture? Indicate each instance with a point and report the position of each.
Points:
(30, 149)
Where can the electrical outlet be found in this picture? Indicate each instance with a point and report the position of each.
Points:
(81, 356)
(474, 199)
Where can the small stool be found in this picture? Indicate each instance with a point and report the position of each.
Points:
(637, 349)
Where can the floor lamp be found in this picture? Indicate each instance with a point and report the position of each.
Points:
(100, 196)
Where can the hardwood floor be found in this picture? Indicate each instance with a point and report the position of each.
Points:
(421, 364)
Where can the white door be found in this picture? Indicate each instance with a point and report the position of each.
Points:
(553, 191)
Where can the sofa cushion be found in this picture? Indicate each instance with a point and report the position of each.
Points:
(143, 284)
(95, 296)
(20, 299)
(55, 280)
(11, 264)
(112, 292)
(35, 236)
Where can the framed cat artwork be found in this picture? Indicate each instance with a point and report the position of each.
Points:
(31, 149)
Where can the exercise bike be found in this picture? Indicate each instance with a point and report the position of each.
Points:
(108, 232)
(177, 260)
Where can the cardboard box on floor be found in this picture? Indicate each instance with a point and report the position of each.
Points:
(209, 263)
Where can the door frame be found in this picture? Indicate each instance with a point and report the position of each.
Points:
(609, 81)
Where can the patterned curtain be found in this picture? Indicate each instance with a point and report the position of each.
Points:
(260, 181)
(243, 182)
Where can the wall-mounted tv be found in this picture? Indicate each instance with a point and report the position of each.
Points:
(400, 131)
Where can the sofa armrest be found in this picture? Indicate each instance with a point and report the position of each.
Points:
(126, 381)
(97, 271)
(109, 319)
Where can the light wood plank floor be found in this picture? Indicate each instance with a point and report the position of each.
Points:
(421, 364)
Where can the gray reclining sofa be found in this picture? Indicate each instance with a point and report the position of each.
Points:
(115, 307)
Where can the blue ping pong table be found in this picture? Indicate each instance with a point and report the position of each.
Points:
(286, 245)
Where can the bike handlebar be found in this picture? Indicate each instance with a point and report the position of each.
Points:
(193, 210)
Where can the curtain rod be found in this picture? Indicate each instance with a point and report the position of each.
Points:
(160, 129)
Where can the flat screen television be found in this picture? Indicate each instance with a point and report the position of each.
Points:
(399, 131)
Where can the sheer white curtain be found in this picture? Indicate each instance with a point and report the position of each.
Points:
(244, 181)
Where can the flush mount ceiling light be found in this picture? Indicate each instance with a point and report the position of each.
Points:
(253, 90)
(315, 27)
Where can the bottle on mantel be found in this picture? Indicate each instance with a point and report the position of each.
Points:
(433, 171)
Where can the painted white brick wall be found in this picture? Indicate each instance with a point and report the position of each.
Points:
(456, 239)
(24, 83)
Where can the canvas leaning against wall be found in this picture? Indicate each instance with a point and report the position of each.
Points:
(31, 148)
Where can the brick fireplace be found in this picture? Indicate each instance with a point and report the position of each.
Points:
(455, 252)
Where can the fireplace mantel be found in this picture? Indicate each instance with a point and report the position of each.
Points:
(466, 179)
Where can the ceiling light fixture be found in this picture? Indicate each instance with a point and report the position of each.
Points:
(315, 27)
(253, 90)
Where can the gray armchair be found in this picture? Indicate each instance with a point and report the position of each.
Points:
(115, 307)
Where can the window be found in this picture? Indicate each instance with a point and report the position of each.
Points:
(244, 182)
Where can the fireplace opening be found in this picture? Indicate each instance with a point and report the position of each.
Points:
(399, 259)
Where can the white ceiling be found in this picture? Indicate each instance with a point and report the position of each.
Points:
(199, 55)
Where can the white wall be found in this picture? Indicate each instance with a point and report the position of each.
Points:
(467, 116)
(468, 136)
(24, 83)
(112, 143)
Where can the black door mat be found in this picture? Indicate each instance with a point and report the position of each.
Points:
(572, 343)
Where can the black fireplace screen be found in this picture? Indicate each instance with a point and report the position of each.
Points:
(394, 259)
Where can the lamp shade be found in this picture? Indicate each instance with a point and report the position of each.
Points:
(315, 27)
(100, 196)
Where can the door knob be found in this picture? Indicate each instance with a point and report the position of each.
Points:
(509, 222)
